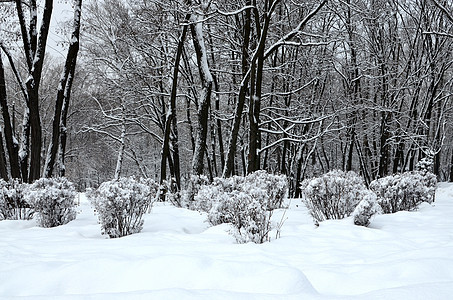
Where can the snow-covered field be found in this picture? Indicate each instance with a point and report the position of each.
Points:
(407, 255)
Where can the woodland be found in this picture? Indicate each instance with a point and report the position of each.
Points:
(169, 89)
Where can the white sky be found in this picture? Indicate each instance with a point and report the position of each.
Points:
(62, 11)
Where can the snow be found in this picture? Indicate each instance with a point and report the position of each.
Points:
(406, 255)
(200, 38)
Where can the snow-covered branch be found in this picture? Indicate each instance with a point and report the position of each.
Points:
(22, 86)
(284, 40)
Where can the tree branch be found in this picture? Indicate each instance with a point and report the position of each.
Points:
(295, 31)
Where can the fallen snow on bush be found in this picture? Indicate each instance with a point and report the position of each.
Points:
(406, 255)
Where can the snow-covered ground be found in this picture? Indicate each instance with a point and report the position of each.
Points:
(407, 255)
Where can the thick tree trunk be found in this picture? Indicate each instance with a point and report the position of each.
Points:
(11, 141)
(253, 157)
(36, 135)
(34, 49)
(25, 139)
(205, 98)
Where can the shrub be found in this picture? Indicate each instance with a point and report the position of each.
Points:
(12, 203)
(276, 187)
(168, 191)
(366, 208)
(121, 204)
(53, 201)
(425, 165)
(247, 213)
(333, 195)
(208, 195)
(244, 202)
(404, 191)
(153, 187)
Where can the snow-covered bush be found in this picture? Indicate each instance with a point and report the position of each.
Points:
(276, 186)
(404, 191)
(425, 165)
(121, 204)
(12, 203)
(244, 202)
(366, 208)
(247, 212)
(333, 195)
(153, 187)
(53, 201)
(208, 195)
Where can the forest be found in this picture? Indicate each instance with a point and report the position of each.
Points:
(226, 149)
(169, 89)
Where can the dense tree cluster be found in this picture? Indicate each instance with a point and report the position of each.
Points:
(170, 89)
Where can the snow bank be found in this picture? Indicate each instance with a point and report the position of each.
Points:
(407, 255)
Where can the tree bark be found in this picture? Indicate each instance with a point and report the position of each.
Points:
(3, 169)
(253, 158)
(34, 48)
(119, 161)
(170, 119)
(451, 167)
(205, 98)
(231, 153)
(11, 141)
(64, 85)
(63, 125)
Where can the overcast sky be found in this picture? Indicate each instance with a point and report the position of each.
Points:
(61, 12)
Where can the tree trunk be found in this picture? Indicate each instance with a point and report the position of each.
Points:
(64, 85)
(253, 158)
(34, 48)
(36, 136)
(213, 143)
(203, 108)
(25, 144)
(11, 141)
(119, 161)
(189, 123)
(171, 116)
(3, 169)
(231, 153)
(384, 147)
(63, 124)
(451, 167)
